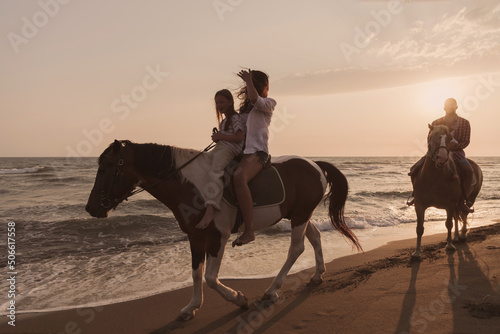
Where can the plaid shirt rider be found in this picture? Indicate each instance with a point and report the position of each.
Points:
(461, 133)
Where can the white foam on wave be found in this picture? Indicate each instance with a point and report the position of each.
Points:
(130, 275)
(21, 170)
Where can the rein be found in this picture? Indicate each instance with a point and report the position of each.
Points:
(106, 203)
(434, 159)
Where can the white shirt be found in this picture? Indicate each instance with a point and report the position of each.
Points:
(258, 123)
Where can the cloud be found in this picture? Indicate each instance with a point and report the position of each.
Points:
(473, 33)
(459, 44)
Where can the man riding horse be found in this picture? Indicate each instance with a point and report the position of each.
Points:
(460, 130)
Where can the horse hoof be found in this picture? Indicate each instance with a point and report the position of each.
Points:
(183, 317)
(315, 282)
(264, 302)
(242, 301)
(450, 249)
(270, 298)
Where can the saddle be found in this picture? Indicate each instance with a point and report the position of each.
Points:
(267, 189)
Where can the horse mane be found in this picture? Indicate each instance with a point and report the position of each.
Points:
(158, 160)
(151, 159)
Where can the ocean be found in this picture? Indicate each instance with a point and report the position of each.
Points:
(65, 258)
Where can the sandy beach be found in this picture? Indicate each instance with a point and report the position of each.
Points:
(379, 291)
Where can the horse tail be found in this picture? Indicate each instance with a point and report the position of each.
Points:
(337, 195)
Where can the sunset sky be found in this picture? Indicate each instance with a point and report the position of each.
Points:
(351, 78)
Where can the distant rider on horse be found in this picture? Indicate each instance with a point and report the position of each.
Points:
(460, 130)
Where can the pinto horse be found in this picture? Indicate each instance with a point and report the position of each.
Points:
(124, 165)
(435, 185)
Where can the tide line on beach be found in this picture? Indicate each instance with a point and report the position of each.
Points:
(379, 291)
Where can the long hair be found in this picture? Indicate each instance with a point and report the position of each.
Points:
(260, 81)
(220, 116)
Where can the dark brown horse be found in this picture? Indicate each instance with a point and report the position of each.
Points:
(436, 186)
(123, 166)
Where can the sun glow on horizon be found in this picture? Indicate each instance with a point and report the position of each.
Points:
(433, 94)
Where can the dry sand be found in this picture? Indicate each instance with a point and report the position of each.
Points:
(379, 291)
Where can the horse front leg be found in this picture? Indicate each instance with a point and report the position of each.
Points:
(314, 237)
(456, 237)
(214, 260)
(198, 264)
(449, 227)
(296, 248)
(420, 211)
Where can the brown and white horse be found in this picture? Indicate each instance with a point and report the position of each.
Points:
(123, 166)
(436, 186)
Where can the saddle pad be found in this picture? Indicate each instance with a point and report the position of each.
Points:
(267, 189)
(474, 175)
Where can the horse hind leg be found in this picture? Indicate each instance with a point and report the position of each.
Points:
(295, 250)
(463, 232)
(314, 237)
(460, 234)
(456, 237)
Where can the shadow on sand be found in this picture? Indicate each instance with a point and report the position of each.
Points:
(259, 318)
(459, 292)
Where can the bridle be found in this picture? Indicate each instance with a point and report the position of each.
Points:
(106, 203)
(433, 155)
(118, 172)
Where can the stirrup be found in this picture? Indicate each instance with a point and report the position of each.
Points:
(410, 201)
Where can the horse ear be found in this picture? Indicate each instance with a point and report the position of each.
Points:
(117, 146)
(431, 127)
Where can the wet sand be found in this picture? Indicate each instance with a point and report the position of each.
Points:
(379, 291)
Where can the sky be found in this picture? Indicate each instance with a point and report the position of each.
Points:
(351, 78)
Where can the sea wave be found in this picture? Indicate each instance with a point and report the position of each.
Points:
(354, 222)
(391, 194)
(45, 240)
(489, 198)
(22, 170)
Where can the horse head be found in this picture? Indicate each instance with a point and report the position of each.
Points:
(114, 181)
(439, 141)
